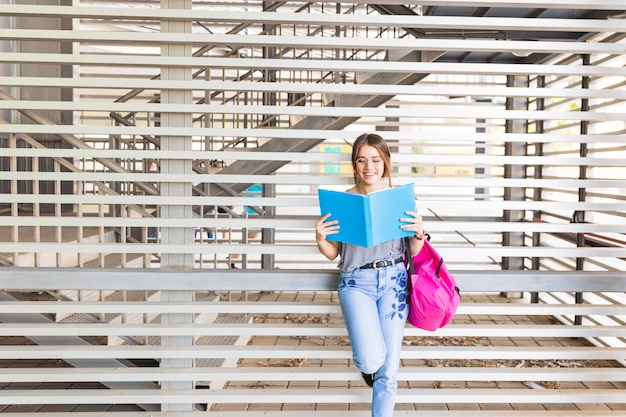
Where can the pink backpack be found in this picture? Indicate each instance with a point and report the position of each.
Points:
(434, 293)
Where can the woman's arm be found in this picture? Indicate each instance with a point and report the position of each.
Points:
(323, 228)
(417, 244)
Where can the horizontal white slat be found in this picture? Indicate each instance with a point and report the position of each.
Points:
(286, 133)
(473, 330)
(559, 4)
(302, 223)
(274, 307)
(366, 413)
(425, 111)
(48, 279)
(471, 205)
(275, 373)
(337, 413)
(422, 88)
(476, 206)
(311, 65)
(321, 180)
(306, 352)
(304, 42)
(340, 135)
(307, 395)
(194, 248)
(402, 21)
(397, 158)
(337, 111)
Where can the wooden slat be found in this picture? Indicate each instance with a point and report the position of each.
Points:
(307, 396)
(341, 413)
(402, 21)
(435, 137)
(290, 249)
(294, 280)
(299, 179)
(309, 352)
(485, 227)
(434, 204)
(320, 88)
(277, 307)
(478, 412)
(400, 158)
(303, 65)
(424, 112)
(284, 41)
(286, 329)
(42, 375)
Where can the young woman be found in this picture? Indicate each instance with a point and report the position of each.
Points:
(373, 281)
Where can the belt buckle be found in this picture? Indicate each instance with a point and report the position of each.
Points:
(375, 265)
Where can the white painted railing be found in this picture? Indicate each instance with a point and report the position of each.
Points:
(296, 351)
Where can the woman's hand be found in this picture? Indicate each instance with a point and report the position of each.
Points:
(324, 228)
(413, 224)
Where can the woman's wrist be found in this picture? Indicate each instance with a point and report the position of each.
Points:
(420, 236)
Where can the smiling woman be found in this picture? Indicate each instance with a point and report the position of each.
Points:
(373, 282)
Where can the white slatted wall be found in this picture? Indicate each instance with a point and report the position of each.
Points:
(131, 132)
(450, 129)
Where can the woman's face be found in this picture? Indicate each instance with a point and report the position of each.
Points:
(369, 166)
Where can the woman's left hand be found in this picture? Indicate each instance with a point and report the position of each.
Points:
(413, 224)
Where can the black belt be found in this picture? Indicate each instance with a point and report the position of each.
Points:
(381, 264)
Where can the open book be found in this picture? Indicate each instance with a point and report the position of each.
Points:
(367, 220)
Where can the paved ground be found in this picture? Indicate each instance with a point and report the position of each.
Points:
(342, 341)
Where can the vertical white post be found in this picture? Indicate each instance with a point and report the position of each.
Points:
(176, 235)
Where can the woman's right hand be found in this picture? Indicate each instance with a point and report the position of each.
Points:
(324, 228)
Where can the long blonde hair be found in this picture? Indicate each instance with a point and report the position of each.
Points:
(375, 141)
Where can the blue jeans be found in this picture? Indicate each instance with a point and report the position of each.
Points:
(375, 308)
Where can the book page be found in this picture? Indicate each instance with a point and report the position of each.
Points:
(387, 208)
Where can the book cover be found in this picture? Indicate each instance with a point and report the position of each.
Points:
(367, 220)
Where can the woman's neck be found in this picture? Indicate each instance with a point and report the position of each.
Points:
(363, 189)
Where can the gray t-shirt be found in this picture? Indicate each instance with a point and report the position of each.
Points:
(353, 256)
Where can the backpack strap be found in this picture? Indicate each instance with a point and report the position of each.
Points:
(409, 266)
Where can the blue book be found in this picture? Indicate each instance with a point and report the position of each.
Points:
(367, 220)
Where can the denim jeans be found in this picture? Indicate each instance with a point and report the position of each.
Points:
(375, 308)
